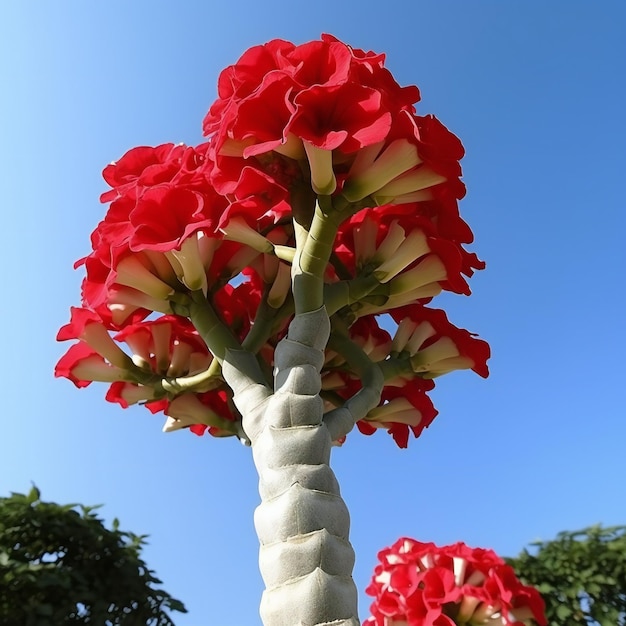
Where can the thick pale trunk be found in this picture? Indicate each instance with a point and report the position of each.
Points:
(302, 522)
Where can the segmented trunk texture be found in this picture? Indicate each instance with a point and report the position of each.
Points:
(302, 522)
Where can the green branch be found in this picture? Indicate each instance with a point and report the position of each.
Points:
(265, 324)
(348, 292)
(203, 381)
(312, 257)
(216, 335)
(395, 367)
(341, 420)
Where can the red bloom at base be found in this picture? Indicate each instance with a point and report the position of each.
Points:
(420, 584)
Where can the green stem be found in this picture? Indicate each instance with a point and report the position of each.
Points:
(203, 381)
(357, 359)
(260, 330)
(302, 201)
(266, 324)
(341, 420)
(340, 269)
(213, 331)
(392, 368)
(347, 292)
(313, 257)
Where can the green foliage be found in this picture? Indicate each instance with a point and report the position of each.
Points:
(60, 565)
(581, 576)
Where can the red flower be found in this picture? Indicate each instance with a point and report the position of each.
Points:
(404, 410)
(263, 117)
(169, 345)
(434, 345)
(403, 168)
(438, 147)
(404, 405)
(345, 117)
(145, 166)
(404, 250)
(305, 102)
(210, 412)
(238, 81)
(215, 221)
(258, 199)
(237, 305)
(83, 365)
(166, 216)
(87, 326)
(419, 584)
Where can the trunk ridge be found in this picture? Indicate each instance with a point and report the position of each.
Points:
(306, 559)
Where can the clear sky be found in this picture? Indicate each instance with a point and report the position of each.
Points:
(536, 92)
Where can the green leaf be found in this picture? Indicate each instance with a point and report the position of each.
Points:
(33, 495)
(55, 558)
(581, 575)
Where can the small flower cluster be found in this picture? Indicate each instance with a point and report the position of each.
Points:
(420, 584)
(426, 338)
(166, 347)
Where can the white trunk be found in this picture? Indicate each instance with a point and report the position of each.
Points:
(302, 522)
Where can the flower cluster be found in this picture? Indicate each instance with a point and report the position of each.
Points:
(430, 343)
(335, 117)
(167, 347)
(420, 584)
(196, 251)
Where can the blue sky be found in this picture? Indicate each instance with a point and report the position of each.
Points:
(535, 90)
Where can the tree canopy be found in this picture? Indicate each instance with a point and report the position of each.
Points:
(59, 564)
(581, 575)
